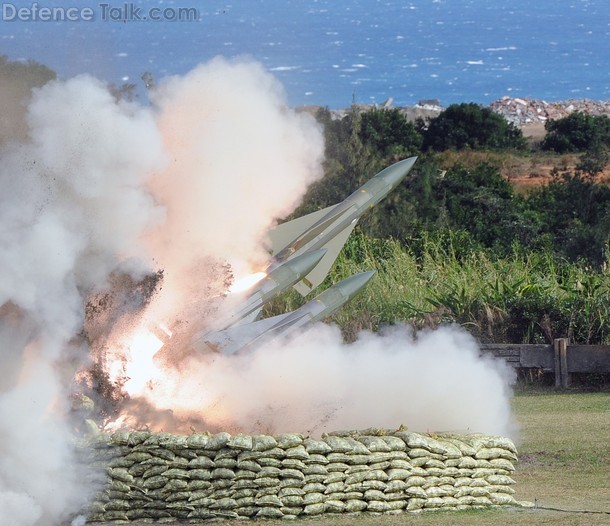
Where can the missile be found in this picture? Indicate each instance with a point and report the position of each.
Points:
(330, 227)
(240, 337)
(278, 280)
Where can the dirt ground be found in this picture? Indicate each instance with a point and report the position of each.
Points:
(538, 171)
(526, 170)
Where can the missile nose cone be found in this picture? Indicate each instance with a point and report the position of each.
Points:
(398, 171)
(303, 264)
(354, 284)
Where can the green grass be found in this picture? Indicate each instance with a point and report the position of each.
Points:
(551, 414)
(519, 298)
(565, 455)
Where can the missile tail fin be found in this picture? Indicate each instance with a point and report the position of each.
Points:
(281, 235)
(320, 271)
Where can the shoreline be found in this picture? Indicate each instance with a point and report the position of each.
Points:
(520, 111)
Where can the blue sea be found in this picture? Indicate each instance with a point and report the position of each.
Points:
(335, 52)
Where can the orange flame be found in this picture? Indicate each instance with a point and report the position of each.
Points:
(141, 369)
(134, 360)
(243, 284)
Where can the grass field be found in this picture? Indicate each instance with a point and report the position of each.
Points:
(564, 452)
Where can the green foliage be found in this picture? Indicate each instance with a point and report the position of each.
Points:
(577, 132)
(361, 144)
(575, 212)
(472, 197)
(389, 134)
(594, 160)
(469, 125)
(522, 298)
(459, 200)
(569, 217)
(456, 244)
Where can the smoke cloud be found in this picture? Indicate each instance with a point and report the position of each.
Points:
(315, 383)
(239, 159)
(242, 157)
(104, 193)
(68, 191)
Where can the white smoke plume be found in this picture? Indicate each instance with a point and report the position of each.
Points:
(219, 156)
(72, 208)
(239, 159)
(243, 159)
(316, 383)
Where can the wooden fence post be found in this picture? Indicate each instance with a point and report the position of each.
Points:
(563, 358)
(562, 376)
(557, 363)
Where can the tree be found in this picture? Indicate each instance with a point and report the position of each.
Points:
(481, 202)
(478, 204)
(575, 212)
(389, 134)
(594, 160)
(578, 132)
(469, 125)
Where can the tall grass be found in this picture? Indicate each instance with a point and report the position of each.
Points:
(527, 297)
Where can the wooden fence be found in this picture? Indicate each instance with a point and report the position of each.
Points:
(561, 358)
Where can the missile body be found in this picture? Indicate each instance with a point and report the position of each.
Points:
(278, 280)
(303, 250)
(325, 303)
(330, 227)
(239, 337)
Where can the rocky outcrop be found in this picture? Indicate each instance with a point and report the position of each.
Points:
(519, 111)
(529, 111)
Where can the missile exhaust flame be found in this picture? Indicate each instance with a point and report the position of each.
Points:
(131, 363)
(141, 370)
(246, 283)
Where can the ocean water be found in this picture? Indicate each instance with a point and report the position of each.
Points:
(335, 52)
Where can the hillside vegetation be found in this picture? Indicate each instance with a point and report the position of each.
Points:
(458, 241)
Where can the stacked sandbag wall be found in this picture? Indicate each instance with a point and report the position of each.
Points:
(163, 476)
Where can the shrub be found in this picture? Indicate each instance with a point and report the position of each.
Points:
(577, 132)
(469, 125)
(389, 133)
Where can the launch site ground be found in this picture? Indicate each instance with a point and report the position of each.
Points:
(564, 461)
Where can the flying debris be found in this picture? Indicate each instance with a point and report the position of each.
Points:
(240, 337)
(330, 227)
